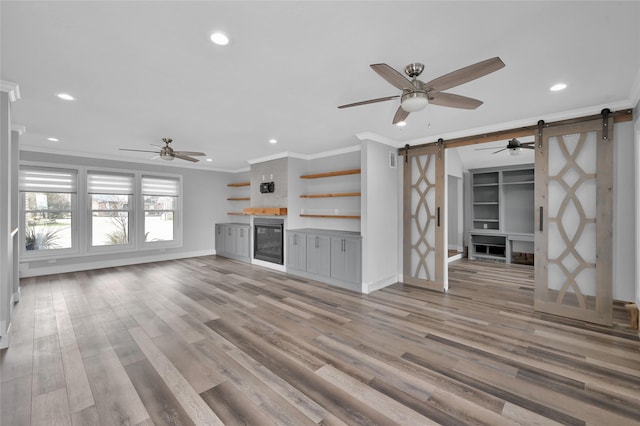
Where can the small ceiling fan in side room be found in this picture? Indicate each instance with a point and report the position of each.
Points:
(416, 94)
(168, 153)
(514, 146)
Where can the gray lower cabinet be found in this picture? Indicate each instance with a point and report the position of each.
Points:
(233, 241)
(319, 254)
(333, 257)
(346, 258)
(297, 251)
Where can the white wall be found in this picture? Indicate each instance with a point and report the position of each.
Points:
(204, 204)
(455, 220)
(380, 201)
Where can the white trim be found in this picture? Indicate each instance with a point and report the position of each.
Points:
(374, 137)
(269, 265)
(634, 95)
(286, 154)
(456, 257)
(11, 88)
(63, 269)
(615, 106)
(379, 284)
(20, 128)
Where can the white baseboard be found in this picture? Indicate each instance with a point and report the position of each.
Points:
(75, 267)
(377, 285)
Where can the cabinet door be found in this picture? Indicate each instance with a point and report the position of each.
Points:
(319, 254)
(230, 239)
(242, 241)
(219, 239)
(346, 259)
(297, 251)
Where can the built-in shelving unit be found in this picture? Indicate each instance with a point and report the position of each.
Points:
(238, 198)
(331, 213)
(502, 212)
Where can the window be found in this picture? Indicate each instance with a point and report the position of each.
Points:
(48, 198)
(110, 197)
(160, 198)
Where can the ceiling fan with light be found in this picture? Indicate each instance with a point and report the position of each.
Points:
(514, 146)
(416, 94)
(167, 153)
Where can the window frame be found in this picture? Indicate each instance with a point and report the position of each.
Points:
(177, 212)
(73, 210)
(130, 245)
(81, 231)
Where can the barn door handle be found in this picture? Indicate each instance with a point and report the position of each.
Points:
(541, 221)
(438, 216)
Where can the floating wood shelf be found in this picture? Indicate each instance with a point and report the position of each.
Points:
(265, 211)
(239, 199)
(341, 194)
(239, 184)
(236, 213)
(331, 174)
(331, 216)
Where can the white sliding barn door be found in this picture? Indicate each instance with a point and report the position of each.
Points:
(424, 217)
(574, 227)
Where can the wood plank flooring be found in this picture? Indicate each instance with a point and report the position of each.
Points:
(209, 341)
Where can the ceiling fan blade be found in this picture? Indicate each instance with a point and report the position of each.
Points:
(393, 77)
(137, 150)
(464, 75)
(370, 101)
(500, 150)
(188, 153)
(401, 115)
(453, 101)
(186, 157)
(482, 149)
(528, 146)
(154, 157)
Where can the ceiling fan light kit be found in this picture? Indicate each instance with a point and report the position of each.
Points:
(416, 95)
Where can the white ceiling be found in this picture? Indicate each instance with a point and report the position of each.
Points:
(142, 71)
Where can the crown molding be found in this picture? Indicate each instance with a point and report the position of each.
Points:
(377, 138)
(11, 88)
(287, 154)
(20, 128)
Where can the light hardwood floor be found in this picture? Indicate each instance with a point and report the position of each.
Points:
(213, 341)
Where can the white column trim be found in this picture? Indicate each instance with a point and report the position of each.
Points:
(11, 88)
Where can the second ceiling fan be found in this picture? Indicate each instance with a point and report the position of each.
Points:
(416, 94)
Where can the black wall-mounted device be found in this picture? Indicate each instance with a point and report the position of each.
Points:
(266, 187)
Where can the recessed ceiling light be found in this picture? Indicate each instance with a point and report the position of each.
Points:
(209, 160)
(401, 123)
(557, 87)
(220, 39)
(273, 141)
(53, 139)
(66, 97)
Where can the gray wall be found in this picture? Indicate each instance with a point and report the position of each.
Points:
(204, 204)
(269, 171)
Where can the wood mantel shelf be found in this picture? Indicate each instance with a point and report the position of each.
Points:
(331, 174)
(236, 184)
(339, 194)
(331, 216)
(239, 199)
(265, 211)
